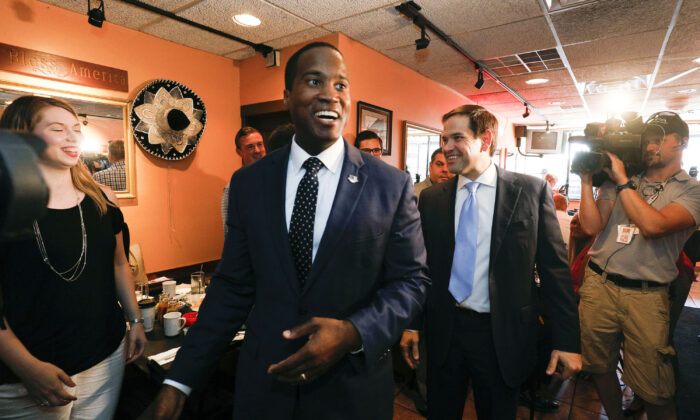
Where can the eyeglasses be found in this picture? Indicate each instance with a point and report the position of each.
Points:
(376, 152)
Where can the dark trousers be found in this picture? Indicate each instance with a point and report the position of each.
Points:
(471, 360)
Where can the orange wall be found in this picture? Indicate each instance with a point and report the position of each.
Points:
(176, 216)
(374, 78)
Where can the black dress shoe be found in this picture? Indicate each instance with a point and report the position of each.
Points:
(542, 404)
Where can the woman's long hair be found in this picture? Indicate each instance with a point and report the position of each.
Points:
(25, 113)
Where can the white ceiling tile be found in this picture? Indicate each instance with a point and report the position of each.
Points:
(690, 13)
(275, 23)
(380, 29)
(611, 18)
(190, 36)
(615, 50)
(320, 12)
(614, 71)
(523, 36)
(459, 16)
(684, 42)
(297, 38)
(122, 14)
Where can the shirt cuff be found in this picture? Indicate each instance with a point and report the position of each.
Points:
(177, 385)
(358, 351)
(410, 330)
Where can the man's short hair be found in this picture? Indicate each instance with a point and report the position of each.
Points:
(561, 202)
(116, 149)
(480, 120)
(290, 70)
(435, 153)
(367, 135)
(244, 131)
(280, 137)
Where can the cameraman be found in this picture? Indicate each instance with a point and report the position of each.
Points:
(642, 223)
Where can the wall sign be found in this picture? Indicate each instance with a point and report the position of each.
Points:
(63, 69)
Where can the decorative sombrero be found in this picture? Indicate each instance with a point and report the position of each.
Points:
(167, 119)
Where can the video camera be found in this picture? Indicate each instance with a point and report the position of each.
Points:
(23, 192)
(623, 138)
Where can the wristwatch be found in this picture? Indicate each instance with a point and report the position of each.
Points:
(135, 321)
(628, 184)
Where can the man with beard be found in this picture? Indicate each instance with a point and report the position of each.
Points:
(485, 230)
(324, 262)
(642, 223)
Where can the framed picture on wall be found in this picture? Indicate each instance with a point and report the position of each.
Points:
(371, 117)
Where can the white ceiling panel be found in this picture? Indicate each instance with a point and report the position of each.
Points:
(612, 18)
(320, 12)
(615, 50)
(555, 77)
(614, 71)
(380, 29)
(297, 38)
(275, 23)
(684, 42)
(242, 54)
(193, 37)
(459, 16)
(523, 36)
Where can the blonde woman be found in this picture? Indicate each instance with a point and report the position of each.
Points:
(66, 290)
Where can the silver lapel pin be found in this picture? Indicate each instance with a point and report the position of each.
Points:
(353, 179)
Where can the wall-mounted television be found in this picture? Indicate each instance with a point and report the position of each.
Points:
(542, 141)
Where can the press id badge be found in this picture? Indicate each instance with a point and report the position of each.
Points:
(625, 233)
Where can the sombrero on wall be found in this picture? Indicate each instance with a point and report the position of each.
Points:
(167, 119)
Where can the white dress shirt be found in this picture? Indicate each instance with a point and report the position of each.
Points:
(486, 200)
(328, 177)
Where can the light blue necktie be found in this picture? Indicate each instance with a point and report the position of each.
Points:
(464, 259)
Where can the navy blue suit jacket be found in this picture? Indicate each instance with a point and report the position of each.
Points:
(525, 233)
(369, 269)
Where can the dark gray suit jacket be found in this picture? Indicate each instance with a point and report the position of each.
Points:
(525, 232)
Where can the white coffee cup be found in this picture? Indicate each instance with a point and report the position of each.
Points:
(169, 287)
(173, 323)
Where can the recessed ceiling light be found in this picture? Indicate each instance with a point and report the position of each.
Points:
(697, 60)
(8, 102)
(246, 20)
(557, 103)
(536, 81)
(686, 91)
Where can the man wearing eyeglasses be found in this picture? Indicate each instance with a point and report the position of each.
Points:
(642, 223)
(250, 147)
(368, 141)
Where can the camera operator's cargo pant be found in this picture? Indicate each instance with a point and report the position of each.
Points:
(611, 314)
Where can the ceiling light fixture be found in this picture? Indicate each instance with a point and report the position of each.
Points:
(697, 60)
(96, 16)
(527, 110)
(480, 79)
(536, 81)
(691, 90)
(8, 102)
(423, 41)
(555, 103)
(246, 20)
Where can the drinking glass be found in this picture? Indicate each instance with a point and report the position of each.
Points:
(197, 282)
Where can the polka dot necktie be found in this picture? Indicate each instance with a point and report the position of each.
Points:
(301, 227)
(464, 259)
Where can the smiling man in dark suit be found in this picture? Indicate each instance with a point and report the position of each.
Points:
(485, 230)
(325, 263)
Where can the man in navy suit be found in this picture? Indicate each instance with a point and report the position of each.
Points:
(485, 230)
(324, 261)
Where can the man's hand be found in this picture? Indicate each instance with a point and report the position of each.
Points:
(329, 340)
(409, 348)
(617, 172)
(167, 405)
(564, 365)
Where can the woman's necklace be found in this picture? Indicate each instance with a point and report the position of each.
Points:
(76, 269)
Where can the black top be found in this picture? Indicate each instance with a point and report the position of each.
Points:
(73, 325)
